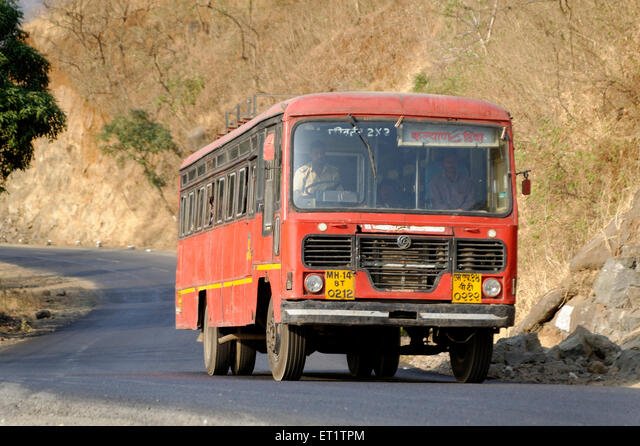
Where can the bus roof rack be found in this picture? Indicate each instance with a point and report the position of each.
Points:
(249, 109)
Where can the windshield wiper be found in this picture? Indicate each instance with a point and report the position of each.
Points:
(354, 123)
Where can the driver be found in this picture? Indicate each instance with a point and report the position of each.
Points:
(316, 175)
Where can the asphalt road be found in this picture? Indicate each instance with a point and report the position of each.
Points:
(125, 363)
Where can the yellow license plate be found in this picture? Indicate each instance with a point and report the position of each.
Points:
(466, 289)
(339, 285)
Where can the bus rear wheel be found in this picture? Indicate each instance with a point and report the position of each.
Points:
(244, 359)
(286, 349)
(217, 357)
(470, 359)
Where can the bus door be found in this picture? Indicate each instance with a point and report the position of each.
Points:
(269, 171)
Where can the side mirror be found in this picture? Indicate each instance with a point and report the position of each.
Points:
(526, 182)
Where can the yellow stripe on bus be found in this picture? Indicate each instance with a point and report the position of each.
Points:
(268, 266)
(243, 281)
(218, 285)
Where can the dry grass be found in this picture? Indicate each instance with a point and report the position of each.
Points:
(567, 71)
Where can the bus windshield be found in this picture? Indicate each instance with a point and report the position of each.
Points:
(400, 165)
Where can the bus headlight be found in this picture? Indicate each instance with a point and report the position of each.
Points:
(491, 287)
(313, 283)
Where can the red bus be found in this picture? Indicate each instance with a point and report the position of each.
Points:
(409, 227)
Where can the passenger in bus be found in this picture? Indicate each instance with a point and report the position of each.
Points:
(212, 210)
(390, 192)
(317, 175)
(450, 188)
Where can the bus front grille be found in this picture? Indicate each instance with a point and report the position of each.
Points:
(412, 268)
(484, 256)
(328, 251)
(408, 268)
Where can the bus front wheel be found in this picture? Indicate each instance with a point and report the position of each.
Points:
(217, 357)
(360, 364)
(286, 349)
(471, 358)
(386, 362)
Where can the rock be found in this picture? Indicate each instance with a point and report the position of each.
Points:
(630, 251)
(602, 348)
(517, 350)
(628, 364)
(595, 253)
(563, 318)
(618, 283)
(549, 336)
(583, 347)
(43, 314)
(631, 341)
(572, 348)
(597, 368)
(614, 310)
(46, 292)
(543, 311)
(61, 293)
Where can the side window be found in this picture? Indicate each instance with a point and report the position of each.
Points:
(242, 192)
(276, 165)
(191, 219)
(251, 193)
(208, 209)
(231, 196)
(183, 208)
(199, 207)
(219, 200)
(269, 188)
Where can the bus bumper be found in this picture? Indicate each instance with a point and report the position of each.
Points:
(400, 314)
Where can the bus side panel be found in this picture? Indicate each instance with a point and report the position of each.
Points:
(187, 311)
(263, 258)
(242, 304)
(186, 303)
(215, 307)
(226, 246)
(511, 272)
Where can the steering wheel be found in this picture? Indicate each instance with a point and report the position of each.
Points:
(307, 190)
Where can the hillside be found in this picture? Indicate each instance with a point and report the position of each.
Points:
(568, 72)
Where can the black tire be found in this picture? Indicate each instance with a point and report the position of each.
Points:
(386, 362)
(244, 359)
(470, 360)
(286, 346)
(360, 364)
(217, 357)
(386, 365)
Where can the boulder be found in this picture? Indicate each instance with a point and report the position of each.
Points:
(628, 364)
(614, 309)
(517, 350)
(543, 311)
(584, 347)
